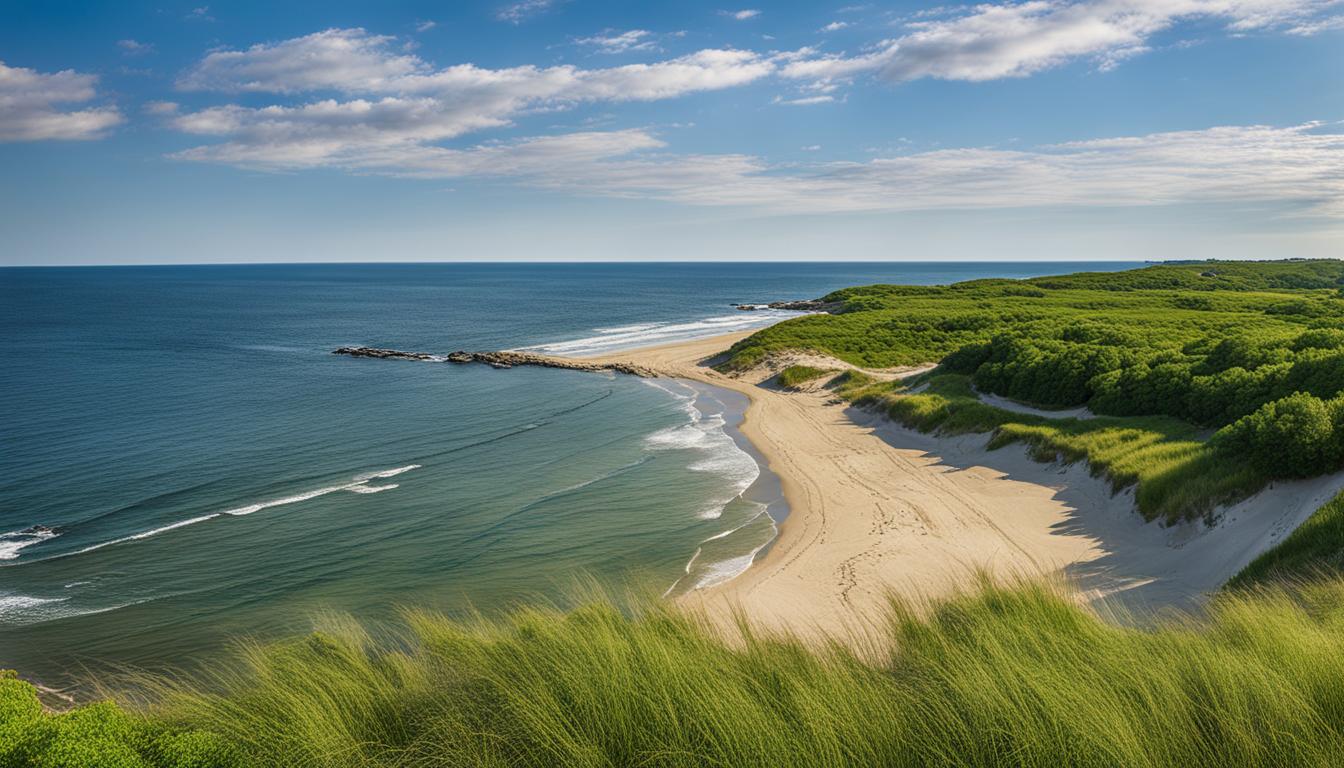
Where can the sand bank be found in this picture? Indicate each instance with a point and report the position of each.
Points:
(875, 507)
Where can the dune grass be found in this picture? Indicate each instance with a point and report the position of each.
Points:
(1009, 675)
(1315, 549)
(1175, 473)
(795, 376)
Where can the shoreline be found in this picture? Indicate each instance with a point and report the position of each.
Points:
(877, 510)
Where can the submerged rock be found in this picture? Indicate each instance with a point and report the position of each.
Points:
(503, 359)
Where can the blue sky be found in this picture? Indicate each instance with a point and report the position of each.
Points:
(164, 132)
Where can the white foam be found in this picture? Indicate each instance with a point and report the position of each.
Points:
(371, 488)
(648, 334)
(14, 541)
(14, 606)
(358, 485)
(18, 610)
(147, 534)
(726, 570)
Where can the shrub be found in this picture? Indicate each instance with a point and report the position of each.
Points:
(97, 735)
(1291, 437)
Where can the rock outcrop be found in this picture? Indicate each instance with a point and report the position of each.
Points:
(500, 360)
(808, 305)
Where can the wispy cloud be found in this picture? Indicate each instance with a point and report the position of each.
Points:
(804, 101)
(742, 15)
(1316, 26)
(1002, 40)
(201, 13)
(834, 26)
(425, 26)
(1298, 166)
(517, 13)
(30, 106)
(134, 47)
(161, 108)
(612, 41)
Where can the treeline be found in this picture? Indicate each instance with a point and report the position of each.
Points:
(1243, 381)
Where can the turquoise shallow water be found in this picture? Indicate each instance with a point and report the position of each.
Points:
(209, 469)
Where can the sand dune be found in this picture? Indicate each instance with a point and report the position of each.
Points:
(877, 507)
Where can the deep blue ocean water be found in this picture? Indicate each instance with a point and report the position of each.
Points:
(210, 469)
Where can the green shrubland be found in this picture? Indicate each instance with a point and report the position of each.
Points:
(99, 735)
(1254, 350)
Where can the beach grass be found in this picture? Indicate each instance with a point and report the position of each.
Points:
(795, 376)
(1175, 473)
(1002, 675)
(1314, 550)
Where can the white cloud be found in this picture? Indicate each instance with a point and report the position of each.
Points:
(742, 15)
(425, 26)
(523, 10)
(993, 41)
(804, 101)
(1299, 167)
(1315, 27)
(347, 60)
(200, 14)
(389, 98)
(829, 67)
(613, 42)
(30, 111)
(834, 26)
(161, 108)
(134, 47)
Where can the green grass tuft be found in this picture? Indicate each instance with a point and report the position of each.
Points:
(1315, 549)
(797, 375)
(1175, 473)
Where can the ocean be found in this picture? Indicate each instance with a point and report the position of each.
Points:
(203, 468)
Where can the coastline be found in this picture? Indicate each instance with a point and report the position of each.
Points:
(877, 510)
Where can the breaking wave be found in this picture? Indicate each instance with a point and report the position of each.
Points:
(650, 334)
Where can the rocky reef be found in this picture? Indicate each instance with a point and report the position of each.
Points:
(503, 359)
(808, 305)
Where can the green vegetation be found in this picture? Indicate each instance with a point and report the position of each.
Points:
(1253, 349)
(1315, 549)
(98, 735)
(797, 375)
(1211, 380)
(1175, 473)
(1007, 676)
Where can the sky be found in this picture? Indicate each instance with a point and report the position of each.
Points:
(177, 132)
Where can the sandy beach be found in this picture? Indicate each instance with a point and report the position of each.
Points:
(876, 508)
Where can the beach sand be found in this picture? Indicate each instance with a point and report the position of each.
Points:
(876, 508)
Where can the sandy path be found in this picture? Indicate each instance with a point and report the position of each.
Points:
(875, 507)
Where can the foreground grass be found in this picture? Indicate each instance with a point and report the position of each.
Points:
(1175, 473)
(1006, 676)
